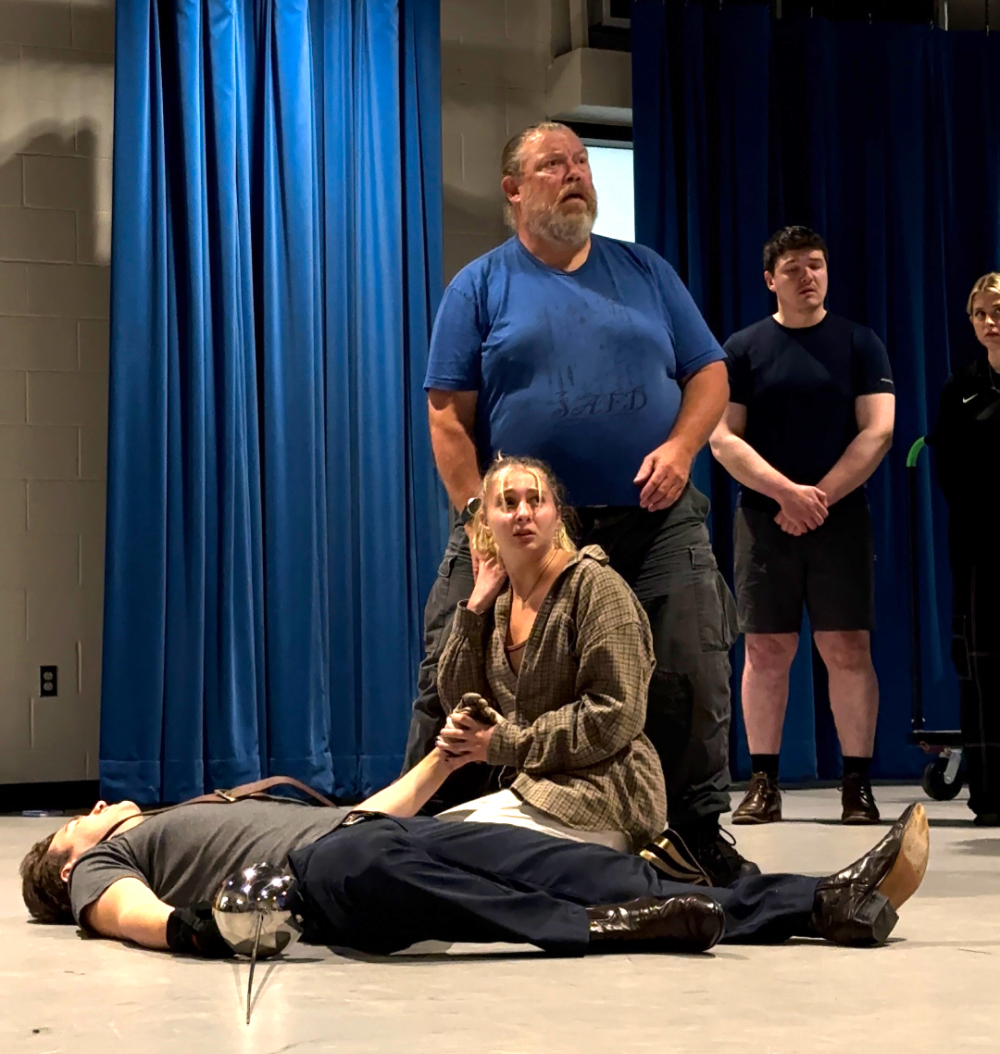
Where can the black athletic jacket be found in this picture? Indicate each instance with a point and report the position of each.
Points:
(966, 444)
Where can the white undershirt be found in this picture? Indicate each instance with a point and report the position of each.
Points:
(506, 807)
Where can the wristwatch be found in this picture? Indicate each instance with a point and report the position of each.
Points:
(470, 510)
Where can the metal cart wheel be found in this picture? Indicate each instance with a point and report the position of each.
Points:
(943, 777)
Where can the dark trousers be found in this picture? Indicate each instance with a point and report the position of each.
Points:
(667, 559)
(975, 652)
(384, 884)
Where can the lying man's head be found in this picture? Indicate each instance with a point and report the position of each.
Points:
(46, 868)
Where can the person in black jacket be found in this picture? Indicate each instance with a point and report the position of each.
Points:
(967, 448)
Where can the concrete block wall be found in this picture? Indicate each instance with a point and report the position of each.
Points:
(56, 108)
(494, 56)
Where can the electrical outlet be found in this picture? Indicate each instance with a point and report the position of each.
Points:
(50, 680)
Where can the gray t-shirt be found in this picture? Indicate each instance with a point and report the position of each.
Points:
(185, 854)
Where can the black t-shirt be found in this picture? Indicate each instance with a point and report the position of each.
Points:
(799, 387)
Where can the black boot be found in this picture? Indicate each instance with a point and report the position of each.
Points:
(857, 801)
(690, 922)
(715, 852)
(858, 905)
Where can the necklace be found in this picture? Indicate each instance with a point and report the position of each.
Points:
(534, 585)
(514, 647)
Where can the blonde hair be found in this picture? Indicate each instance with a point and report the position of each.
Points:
(989, 283)
(496, 476)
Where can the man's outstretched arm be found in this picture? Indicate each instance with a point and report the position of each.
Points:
(411, 792)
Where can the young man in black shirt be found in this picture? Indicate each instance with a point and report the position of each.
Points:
(809, 419)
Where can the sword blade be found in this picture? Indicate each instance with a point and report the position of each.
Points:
(253, 963)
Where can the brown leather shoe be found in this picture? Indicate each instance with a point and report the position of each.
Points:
(762, 803)
(690, 922)
(858, 801)
(859, 904)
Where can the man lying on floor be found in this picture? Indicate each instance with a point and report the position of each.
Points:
(383, 879)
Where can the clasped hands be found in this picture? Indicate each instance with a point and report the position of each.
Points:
(464, 739)
(803, 509)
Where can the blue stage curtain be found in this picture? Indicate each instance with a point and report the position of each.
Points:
(274, 517)
(884, 138)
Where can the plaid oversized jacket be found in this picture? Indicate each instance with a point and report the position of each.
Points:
(575, 711)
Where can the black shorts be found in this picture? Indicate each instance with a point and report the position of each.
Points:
(829, 570)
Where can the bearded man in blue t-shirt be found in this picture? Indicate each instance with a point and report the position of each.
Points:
(590, 353)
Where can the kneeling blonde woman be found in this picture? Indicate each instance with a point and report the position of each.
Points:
(557, 643)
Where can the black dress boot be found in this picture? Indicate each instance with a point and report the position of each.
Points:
(690, 922)
(714, 850)
(859, 904)
(857, 801)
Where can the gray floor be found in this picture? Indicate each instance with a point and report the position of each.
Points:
(933, 988)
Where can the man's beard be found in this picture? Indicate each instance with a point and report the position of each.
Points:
(569, 228)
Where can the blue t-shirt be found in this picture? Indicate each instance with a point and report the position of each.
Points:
(577, 368)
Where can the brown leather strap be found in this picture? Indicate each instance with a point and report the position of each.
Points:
(248, 790)
(261, 786)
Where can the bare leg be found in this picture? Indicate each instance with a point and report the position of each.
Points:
(853, 688)
(765, 688)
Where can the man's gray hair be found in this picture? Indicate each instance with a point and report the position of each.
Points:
(511, 163)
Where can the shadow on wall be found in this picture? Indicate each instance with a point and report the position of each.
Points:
(75, 143)
(54, 68)
(488, 93)
(36, 23)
